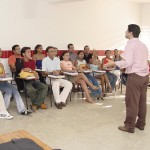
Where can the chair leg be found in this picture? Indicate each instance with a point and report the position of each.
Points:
(51, 101)
(26, 94)
(70, 95)
(121, 88)
(50, 93)
(82, 93)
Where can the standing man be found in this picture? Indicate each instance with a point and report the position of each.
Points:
(135, 61)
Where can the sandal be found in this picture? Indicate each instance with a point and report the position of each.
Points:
(34, 108)
(44, 106)
(101, 97)
(89, 101)
(95, 87)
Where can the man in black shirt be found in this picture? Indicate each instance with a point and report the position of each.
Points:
(87, 54)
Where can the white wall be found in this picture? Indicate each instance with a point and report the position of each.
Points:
(145, 14)
(98, 23)
(145, 22)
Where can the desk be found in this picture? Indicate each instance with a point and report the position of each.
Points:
(87, 71)
(22, 134)
(38, 70)
(6, 79)
(71, 73)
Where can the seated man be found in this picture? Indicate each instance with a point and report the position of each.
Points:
(3, 112)
(9, 91)
(36, 90)
(87, 54)
(12, 64)
(51, 65)
(72, 54)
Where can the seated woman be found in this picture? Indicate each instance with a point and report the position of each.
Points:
(9, 91)
(67, 66)
(111, 76)
(81, 65)
(38, 57)
(95, 64)
(3, 112)
(117, 71)
(116, 57)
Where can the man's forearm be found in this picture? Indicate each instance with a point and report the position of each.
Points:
(12, 68)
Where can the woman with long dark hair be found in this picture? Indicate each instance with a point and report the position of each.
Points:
(38, 57)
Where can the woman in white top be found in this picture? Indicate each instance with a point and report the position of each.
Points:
(3, 112)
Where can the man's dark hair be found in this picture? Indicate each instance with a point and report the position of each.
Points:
(14, 47)
(24, 49)
(49, 48)
(106, 51)
(36, 47)
(69, 45)
(85, 46)
(135, 29)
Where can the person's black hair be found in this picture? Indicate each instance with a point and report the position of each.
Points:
(14, 47)
(106, 51)
(85, 46)
(36, 47)
(24, 49)
(63, 53)
(49, 48)
(80, 52)
(135, 29)
(69, 45)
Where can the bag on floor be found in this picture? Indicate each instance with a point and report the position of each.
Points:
(20, 144)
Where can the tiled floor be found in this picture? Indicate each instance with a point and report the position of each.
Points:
(82, 126)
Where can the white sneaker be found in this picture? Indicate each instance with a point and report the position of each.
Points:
(5, 115)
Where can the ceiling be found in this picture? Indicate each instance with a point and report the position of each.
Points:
(141, 1)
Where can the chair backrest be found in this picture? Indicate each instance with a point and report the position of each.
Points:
(19, 66)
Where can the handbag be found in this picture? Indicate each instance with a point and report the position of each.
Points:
(24, 74)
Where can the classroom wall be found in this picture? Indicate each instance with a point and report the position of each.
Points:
(145, 11)
(100, 24)
(97, 23)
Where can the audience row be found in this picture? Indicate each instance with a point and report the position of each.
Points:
(22, 62)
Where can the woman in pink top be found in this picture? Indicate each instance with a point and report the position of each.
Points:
(67, 66)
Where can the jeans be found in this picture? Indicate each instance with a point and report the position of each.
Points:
(112, 79)
(2, 104)
(9, 91)
(94, 82)
(37, 91)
